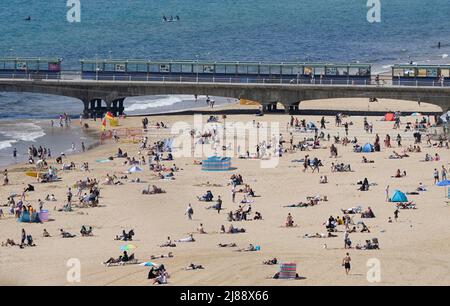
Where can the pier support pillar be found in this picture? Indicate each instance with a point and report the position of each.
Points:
(86, 109)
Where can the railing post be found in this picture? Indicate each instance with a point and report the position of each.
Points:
(164, 79)
(417, 83)
(147, 77)
(331, 82)
(230, 80)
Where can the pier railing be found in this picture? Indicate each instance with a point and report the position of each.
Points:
(384, 81)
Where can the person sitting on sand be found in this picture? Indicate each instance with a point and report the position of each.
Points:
(201, 230)
(366, 161)
(45, 234)
(65, 234)
(421, 187)
(86, 232)
(207, 197)
(161, 278)
(194, 267)
(168, 243)
(257, 216)
(364, 185)
(368, 213)
(289, 220)
(323, 179)
(153, 190)
(270, 262)
(122, 259)
(125, 236)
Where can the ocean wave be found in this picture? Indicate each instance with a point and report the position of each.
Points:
(146, 103)
(21, 132)
(4, 144)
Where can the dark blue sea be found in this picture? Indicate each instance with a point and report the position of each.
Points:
(250, 30)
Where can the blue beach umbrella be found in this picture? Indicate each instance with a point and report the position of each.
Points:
(443, 183)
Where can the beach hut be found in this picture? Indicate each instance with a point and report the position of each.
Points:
(288, 270)
(367, 148)
(215, 163)
(399, 197)
(389, 117)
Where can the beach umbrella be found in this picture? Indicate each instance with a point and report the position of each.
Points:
(135, 169)
(443, 183)
(148, 264)
(416, 114)
(127, 247)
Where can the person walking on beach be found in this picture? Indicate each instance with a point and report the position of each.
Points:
(396, 214)
(189, 212)
(444, 173)
(346, 263)
(69, 196)
(233, 194)
(387, 193)
(24, 237)
(399, 140)
(436, 176)
(83, 148)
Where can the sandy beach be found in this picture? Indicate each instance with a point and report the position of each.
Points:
(413, 250)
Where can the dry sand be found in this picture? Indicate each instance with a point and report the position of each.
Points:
(414, 250)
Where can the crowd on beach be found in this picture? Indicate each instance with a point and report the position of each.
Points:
(156, 157)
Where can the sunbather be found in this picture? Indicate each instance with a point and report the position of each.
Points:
(65, 234)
